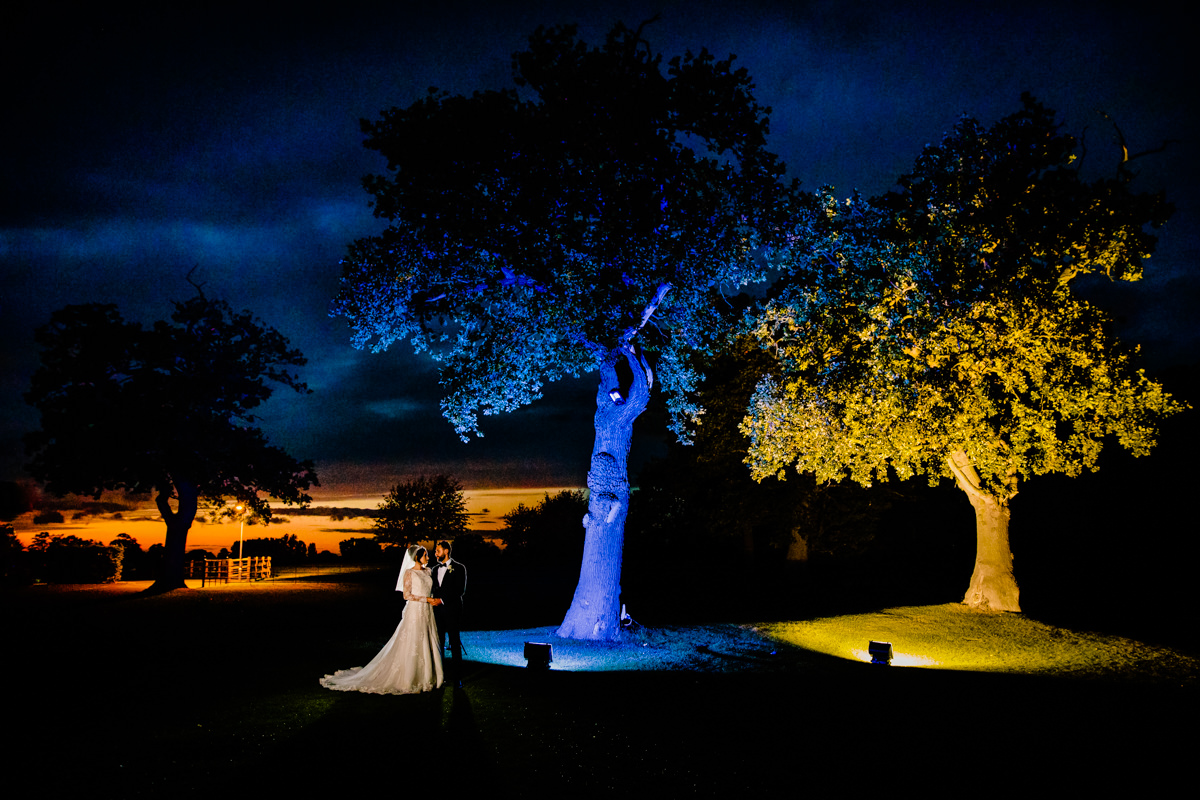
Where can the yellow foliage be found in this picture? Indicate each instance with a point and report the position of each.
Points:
(1018, 386)
(941, 319)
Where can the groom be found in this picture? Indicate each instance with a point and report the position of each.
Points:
(449, 584)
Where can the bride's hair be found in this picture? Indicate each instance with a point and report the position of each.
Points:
(415, 552)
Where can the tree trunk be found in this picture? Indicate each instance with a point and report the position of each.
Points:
(595, 609)
(993, 585)
(798, 547)
(179, 522)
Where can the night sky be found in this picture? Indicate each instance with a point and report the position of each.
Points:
(139, 146)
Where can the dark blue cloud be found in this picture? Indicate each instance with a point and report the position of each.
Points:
(141, 145)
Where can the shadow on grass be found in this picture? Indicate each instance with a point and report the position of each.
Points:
(193, 692)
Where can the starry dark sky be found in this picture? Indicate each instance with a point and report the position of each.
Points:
(137, 146)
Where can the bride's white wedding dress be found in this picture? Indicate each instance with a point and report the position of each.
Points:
(411, 661)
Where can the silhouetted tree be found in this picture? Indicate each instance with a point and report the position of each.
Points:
(167, 410)
(13, 562)
(549, 532)
(475, 551)
(360, 550)
(589, 224)
(420, 510)
(70, 559)
(286, 549)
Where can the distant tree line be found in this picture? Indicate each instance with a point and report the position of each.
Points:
(52, 558)
(284, 550)
(65, 559)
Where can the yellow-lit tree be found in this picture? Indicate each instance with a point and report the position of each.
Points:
(935, 331)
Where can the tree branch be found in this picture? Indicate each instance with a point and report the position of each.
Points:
(1122, 169)
(968, 479)
(510, 279)
(966, 476)
(198, 286)
(637, 34)
(647, 313)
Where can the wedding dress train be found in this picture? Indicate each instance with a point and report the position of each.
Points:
(411, 661)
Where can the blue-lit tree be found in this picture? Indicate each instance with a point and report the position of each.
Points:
(587, 221)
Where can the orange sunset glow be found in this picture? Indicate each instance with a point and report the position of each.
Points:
(485, 508)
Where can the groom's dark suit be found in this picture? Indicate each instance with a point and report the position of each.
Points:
(449, 585)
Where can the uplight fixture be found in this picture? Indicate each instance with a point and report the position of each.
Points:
(881, 652)
(538, 655)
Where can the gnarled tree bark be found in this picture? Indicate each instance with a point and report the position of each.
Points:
(595, 609)
(993, 585)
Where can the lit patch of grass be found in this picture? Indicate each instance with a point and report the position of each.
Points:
(952, 636)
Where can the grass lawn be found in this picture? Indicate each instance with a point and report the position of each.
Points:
(214, 691)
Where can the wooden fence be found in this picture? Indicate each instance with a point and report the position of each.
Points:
(224, 570)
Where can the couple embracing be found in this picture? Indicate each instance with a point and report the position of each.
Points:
(411, 661)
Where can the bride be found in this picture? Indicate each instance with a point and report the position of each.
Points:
(411, 661)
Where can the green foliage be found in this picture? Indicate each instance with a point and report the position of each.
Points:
(188, 388)
(941, 320)
(532, 233)
(422, 509)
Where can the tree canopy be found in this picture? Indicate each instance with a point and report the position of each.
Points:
(587, 220)
(167, 410)
(936, 331)
(421, 509)
(552, 228)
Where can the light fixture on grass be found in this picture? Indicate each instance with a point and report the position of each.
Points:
(881, 652)
(538, 655)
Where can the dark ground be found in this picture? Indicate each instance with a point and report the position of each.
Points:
(202, 691)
